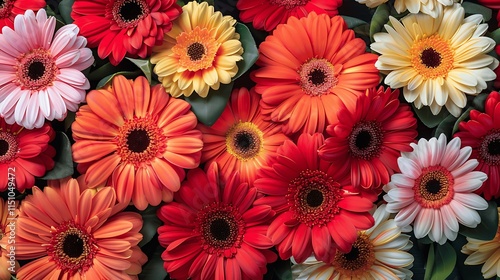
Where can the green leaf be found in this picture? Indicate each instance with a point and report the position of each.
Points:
(101, 72)
(65, 7)
(429, 266)
(209, 109)
(150, 225)
(153, 269)
(128, 74)
(380, 17)
(462, 117)
(145, 66)
(250, 51)
(473, 8)
(353, 22)
(495, 35)
(446, 127)
(444, 262)
(487, 229)
(63, 160)
(479, 100)
(283, 269)
(428, 119)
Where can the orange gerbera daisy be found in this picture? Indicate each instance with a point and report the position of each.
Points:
(8, 217)
(241, 140)
(77, 234)
(137, 139)
(299, 83)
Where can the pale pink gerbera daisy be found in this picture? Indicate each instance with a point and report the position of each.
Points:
(40, 72)
(435, 189)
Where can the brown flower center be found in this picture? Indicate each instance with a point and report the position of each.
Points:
(196, 49)
(489, 149)
(8, 147)
(432, 57)
(128, 13)
(359, 260)
(35, 70)
(317, 77)
(434, 187)
(244, 140)
(365, 140)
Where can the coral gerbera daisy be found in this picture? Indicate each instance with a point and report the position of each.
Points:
(368, 139)
(9, 9)
(241, 140)
(8, 220)
(437, 60)
(378, 253)
(24, 154)
(316, 210)
(482, 134)
(40, 70)
(137, 139)
(214, 232)
(77, 234)
(434, 190)
(300, 83)
(124, 27)
(199, 53)
(486, 252)
(267, 14)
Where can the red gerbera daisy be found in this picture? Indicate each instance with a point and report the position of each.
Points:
(9, 9)
(482, 133)
(124, 27)
(241, 140)
(267, 14)
(317, 212)
(24, 153)
(368, 139)
(212, 232)
(494, 4)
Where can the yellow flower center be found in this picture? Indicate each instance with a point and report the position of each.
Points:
(358, 261)
(432, 57)
(434, 187)
(196, 49)
(244, 140)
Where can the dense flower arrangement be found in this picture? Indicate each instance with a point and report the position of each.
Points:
(249, 139)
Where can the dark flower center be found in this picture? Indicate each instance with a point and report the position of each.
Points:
(434, 187)
(6, 8)
(196, 51)
(489, 149)
(73, 245)
(365, 140)
(430, 58)
(4, 147)
(244, 140)
(352, 255)
(494, 147)
(317, 77)
(131, 10)
(314, 198)
(359, 259)
(128, 13)
(138, 140)
(288, 4)
(36, 70)
(8, 147)
(220, 229)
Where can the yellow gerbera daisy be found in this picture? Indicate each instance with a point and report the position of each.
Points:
(437, 60)
(485, 252)
(199, 53)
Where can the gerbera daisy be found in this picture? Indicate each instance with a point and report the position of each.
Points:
(378, 253)
(137, 139)
(75, 234)
(434, 190)
(300, 83)
(372, 3)
(9, 9)
(8, 219)
(199, 53)
(486, 252)
(25, 154)
(493, 4)
(431, 7)
(124, 27)
(437, 60)
(316, 212)
(214, 232)
(482, 134)
(267, 14)
(40, 71)
(241, 140)
(369, 138)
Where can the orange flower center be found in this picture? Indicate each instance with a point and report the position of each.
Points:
(313, 197)
(196, 49)
(140, 140)
(36, 70)
(221, 228)
(6, 8)
(489, 149)
(244, 141)
(288, 4)
(72, 248)
(128, 13)
(8, 147)
(317, 77)
(358, 261)
(365, 140)
(432, 57)
(434, 187)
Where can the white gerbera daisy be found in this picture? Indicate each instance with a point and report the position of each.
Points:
(435, 189)
(378, 253)
(437, 60)
(430, 7)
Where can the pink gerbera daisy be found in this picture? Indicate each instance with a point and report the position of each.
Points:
(434, 190)
(213, 232)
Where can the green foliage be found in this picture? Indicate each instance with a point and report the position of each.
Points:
(353, 22)
(128, 74)
(479, 100)
(446, 126)
(440, 262)
(473, 8)
(63, 160)
(208, 109)
(145, 66)
(380, 17)
(65, 7)
(428, 119)
(487, 229)
(151, 222)
(250, 51)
